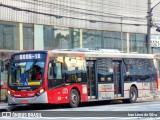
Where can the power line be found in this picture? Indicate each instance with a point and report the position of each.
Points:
(78, 8)
(57, 16)
(112, 15)
(100, 4)
(133, 19)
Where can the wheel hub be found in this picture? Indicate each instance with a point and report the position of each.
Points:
(133, 95)
(74, 98)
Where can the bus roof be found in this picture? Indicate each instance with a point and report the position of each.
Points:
(100, 54)
(93, 54)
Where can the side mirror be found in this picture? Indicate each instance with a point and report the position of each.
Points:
(2, 66)
(158, 29)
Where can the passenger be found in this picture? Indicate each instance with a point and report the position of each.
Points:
(24, 78)
(33, 73)
(38, 76)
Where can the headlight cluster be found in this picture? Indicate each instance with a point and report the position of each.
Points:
(9, 93)
(40, 92)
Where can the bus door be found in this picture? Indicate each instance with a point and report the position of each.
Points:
(91, 80)
(118, 80)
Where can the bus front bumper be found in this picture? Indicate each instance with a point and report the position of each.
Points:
(30, 100)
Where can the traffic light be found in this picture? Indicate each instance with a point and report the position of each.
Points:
(158, 29)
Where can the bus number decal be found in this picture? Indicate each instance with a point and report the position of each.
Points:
(29, 56)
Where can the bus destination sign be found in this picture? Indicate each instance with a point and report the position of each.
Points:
(29, 56)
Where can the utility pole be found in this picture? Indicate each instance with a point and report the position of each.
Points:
(121, 35)
(149, 25)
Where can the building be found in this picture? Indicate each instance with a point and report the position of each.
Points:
(54, 24)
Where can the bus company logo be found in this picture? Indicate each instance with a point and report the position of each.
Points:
(16, 95)
(18, 114)
(65, 91)
(6, 114)
(21, 88)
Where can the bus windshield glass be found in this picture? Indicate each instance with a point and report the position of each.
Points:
(26, 72)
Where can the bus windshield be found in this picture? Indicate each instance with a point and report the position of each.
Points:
(26, 73)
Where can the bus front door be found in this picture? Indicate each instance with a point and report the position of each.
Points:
(118, 83)
(91, 80)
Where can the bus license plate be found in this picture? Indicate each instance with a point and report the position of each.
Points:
(24, 101)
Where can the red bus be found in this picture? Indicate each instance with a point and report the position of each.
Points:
(81, 75)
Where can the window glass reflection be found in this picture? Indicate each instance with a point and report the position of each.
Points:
(138, 43)
(92, 39)
(62, 38)
(75, 69)
(112, 40)
(9, 36)
(105, 70)
(48, 37)
(28, 36)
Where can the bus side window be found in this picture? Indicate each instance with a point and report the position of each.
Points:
(58, 70)
(55, 70)
(50, 71)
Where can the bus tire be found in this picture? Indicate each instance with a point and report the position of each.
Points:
(74, 98)
(132, 96)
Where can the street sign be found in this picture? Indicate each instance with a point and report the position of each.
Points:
(155, 41)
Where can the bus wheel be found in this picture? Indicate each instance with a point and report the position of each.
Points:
(74, 98)
(132, 96)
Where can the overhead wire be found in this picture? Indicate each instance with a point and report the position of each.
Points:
(134, 19)
(100, 4)
(76, 7)
(112, 15)
(49, 14)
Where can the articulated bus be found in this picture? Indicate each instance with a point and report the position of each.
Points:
(4, 60)
(80, 75)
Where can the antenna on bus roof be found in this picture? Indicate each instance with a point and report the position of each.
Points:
(96, 50)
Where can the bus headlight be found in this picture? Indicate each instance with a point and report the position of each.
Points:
(9, 92)
(40, 92)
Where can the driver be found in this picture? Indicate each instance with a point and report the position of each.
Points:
(24, 78)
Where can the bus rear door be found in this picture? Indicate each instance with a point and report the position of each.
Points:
(92, 88)
(118, 79)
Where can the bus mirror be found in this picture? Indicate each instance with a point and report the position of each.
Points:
(6, 66)
(2, 66)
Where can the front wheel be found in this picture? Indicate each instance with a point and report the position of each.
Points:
(74, 98)
(132, 96)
